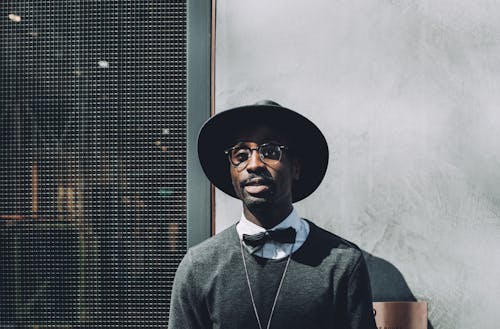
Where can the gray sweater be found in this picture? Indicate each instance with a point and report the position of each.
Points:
(326, 286)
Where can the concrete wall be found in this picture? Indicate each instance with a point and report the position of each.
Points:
(407, 94)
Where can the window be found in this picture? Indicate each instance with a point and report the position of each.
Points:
(93, 194)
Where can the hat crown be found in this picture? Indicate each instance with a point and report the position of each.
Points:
(267, 102)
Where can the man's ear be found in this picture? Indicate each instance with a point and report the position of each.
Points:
(296, 168)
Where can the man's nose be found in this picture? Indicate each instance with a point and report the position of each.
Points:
(254, 161)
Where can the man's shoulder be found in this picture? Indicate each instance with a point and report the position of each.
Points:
(206, 258)
(216, 245)
(319, 233)
(332, 246)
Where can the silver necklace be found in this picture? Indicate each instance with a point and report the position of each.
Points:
(277, 292)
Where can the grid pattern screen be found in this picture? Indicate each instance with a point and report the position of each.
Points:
(93, 161)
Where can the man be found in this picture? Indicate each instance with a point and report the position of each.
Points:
(272, 269)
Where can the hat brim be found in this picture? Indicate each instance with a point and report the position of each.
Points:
(306, 141)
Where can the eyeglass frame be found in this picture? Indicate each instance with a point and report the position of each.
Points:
(282, 148)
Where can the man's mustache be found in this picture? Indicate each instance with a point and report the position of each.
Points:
(257, 180)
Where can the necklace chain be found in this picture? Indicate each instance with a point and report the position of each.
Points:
(277, 292)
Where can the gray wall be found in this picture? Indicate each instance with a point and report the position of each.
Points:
(406, 93)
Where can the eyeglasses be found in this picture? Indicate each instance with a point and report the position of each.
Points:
(269, 153)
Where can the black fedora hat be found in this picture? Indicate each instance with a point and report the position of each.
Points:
(305, 141)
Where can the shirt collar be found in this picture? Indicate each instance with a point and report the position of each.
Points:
(247, 227)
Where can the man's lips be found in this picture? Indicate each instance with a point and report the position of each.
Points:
(257, 186)
(256, 189)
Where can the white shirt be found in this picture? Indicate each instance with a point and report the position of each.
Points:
(273, 249)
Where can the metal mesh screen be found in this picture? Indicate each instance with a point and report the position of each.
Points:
(93, 161)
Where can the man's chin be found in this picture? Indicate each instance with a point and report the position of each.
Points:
(257, 201)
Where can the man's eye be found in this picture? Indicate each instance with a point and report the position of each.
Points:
(240, 155)
(271, 152)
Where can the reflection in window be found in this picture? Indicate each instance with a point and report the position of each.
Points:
(93, 157)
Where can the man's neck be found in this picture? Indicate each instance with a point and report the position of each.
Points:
(267, 218)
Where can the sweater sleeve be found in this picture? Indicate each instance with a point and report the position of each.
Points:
(359, 298)
(187, 307)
